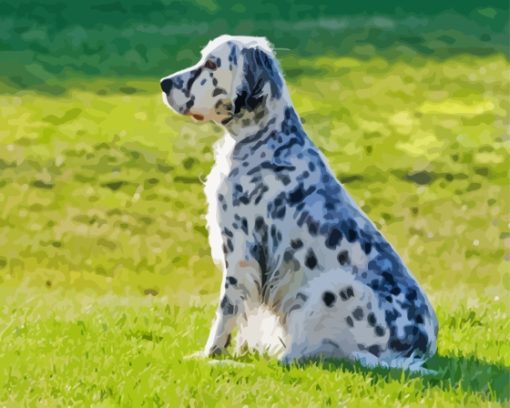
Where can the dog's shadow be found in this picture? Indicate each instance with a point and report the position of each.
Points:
(466, 373)
(490, 380)
(469, 374)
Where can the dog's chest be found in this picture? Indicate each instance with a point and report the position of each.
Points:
(238, 190)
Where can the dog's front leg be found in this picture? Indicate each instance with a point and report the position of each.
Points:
(224, 323)
(240, 290)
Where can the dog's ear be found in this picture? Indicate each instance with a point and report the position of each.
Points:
(259, 68)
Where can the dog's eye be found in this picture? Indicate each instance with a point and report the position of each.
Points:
(210, 64)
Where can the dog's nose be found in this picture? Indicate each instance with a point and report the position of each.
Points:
(166, 85)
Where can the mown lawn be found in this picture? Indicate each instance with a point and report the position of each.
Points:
(106, 282)
(64, 346)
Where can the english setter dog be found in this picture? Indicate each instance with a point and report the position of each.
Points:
(305, 273)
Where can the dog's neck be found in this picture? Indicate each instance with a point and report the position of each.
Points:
(269, 114)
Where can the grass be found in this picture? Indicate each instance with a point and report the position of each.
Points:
(64, 346)
(106, 282)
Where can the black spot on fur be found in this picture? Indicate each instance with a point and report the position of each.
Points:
(349, 229)
(304, 175)
(371, 319)
(349, 321)
(391, 316)
(299, 194)
(358, 313)
(379, 331)
(313, 227)
(375, 350)
(244, 225)
(329, 298)
(311, 260)
(397, 345)
(189, 104)
(218, 91)
(288, 256)
(227, 307)
(388, 278)
(275, 236)
(422, 341)
(374, 284)
(367, 247)
(284, 179)
(288, 145)
(302, 218)
(195, 74)
(259, 223)
(334, 238)
(278, 207)
(259, 190)
(347, 293)
(411, 295)
(296, 243)
(259, 249)
(343, 258)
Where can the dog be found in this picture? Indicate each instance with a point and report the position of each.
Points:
(306, 274)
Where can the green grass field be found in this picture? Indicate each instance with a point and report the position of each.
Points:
(106, 281)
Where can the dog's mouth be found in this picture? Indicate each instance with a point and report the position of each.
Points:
(195, 116)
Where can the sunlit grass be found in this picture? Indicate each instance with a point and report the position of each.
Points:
(61, 346)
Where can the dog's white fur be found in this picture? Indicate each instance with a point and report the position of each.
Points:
(305, 273)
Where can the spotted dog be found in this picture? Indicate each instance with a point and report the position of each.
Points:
(305, 273)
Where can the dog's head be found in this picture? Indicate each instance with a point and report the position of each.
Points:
(234, 75)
